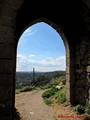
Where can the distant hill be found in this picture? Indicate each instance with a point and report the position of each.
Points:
(40, 78)
(25, 76)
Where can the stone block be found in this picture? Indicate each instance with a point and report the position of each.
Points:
(5, 94)
(6, 66)
(84, 62)
(67, 77)
(81, 95)
(67, 54)
(79, 71)
(5, 21)
(12, 3)
(68, 94)
(5, 80)
(67, 62)
(68, 85)
(87, 55)
(67, 70)
(88, 69)
(7, 11)
(81, 83)
(7, 35)
(5, 51)
(82, 49)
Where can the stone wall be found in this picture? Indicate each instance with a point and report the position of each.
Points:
(8, 12)
(77, 54)
(82, 71)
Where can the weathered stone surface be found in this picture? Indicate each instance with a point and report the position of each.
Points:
(7, 11)
(82, 49)
(5, 80)
(14, 4)
(15, 16)
(6, 66)
(68, 95)
(5, 94)
(5, 51)
(89, 95)
(68, 62)
(6, 21)
(82, 83)
(68, 77)
(68, 85)
(7, 35)
(79, 70)
(67, 70)
(88, 69)
(67, 54)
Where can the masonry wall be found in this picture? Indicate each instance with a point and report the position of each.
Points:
(8, 12)
(77, 69)
(82, 71)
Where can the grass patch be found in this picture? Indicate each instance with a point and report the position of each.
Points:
(79, 109)
(25, 89)
(60, 96)
(54, 82)
(83, 110)
(48, 101)
(57, 95)
(47, 96)
(49, 93)
(87, 109)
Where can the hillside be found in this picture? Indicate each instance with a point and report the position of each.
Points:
(40, 78)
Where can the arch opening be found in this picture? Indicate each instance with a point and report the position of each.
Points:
(66, 45)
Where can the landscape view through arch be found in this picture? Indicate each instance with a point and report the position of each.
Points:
(41, 47)
(41, 65)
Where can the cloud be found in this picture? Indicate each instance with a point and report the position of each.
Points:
(31, 56)
(21, 58)
(26, 63)
(29, 31)
(52, 61)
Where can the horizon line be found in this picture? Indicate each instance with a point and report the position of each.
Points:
(41, 71)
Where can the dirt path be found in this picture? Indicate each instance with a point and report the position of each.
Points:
(32, 107)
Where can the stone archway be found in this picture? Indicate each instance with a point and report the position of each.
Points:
(70, 88)
(16, 15)
(69, 66)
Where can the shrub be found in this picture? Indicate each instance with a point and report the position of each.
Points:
(53, 83)
(87, 109)
(60, 96)
(49, 93)
(57, 81)
(80, 109)
(48, 101)
(46, 86)
(25, 89)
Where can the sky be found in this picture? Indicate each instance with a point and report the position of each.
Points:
(40, 47)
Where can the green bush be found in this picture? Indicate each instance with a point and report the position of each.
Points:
(87, 109)
(48, 101)
(60, 96)
(25, 89)
(46, 86)
(84, 110)
(57, 81)
(79, 109)
(53, 83)
(17, 91)
(49, 93)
